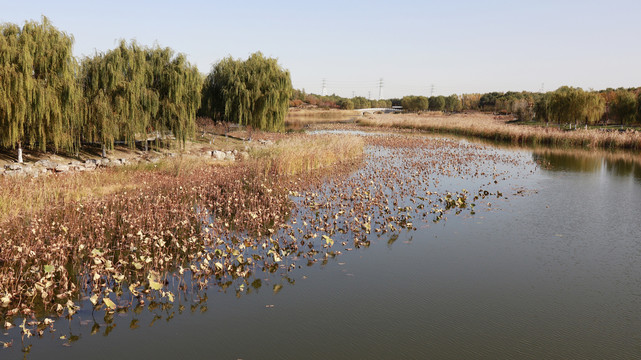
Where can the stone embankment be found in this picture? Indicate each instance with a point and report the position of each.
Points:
(45, 167)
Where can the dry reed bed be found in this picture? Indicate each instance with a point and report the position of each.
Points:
(320, 150)
(179, 217)
(484, 126)
(298, 118)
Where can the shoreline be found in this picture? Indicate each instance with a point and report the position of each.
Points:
(485, 126)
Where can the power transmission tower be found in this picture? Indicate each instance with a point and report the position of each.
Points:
(369, 95)
(380, 88)
(324, 92)
(542, 87)
(432, 90)
(353, 94)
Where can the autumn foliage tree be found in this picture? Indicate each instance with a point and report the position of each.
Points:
(623, 107)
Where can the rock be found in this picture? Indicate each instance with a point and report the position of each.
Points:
(30, 170)
(218, 155)
(172, 154)
(124, 161)
(76, 165)
(230, 156)
(103, 162)
(235, 152)
(266, 142)
(91, 163)
(47, 164)
(13, 167)
(62, 168)
(244, 155)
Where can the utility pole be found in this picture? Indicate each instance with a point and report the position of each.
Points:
(380, 88)
(324, 92)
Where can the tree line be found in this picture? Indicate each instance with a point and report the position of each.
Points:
(301, 98)
(565, 105)
(450, 103)
(51, 100)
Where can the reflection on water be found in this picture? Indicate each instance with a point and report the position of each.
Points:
(620, 164)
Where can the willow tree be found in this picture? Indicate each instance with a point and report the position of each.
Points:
(453, 103)
(542, 108)
(119, 104)
(178, 86)
(132, 90)
(572, 105)
(253, 92)
(436, 103)
(566, 104)
(593, 108)
(413, 103)
(40, 102)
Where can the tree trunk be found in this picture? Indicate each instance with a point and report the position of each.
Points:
(20, 153)
(104, 151)
(146, 144)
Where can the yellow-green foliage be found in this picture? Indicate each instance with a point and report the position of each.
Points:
(39, 96)
(253, 92)
(132, 90)
(573, 105)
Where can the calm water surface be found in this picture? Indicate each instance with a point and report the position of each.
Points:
(552, 272)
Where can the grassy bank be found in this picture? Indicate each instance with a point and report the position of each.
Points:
(485, 126)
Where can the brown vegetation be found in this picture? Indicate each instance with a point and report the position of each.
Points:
(63, 238)
(298, 118)
(485, 126)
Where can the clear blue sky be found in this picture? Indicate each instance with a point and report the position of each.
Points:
(457, 46)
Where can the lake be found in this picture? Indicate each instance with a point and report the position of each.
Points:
(545, 265)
